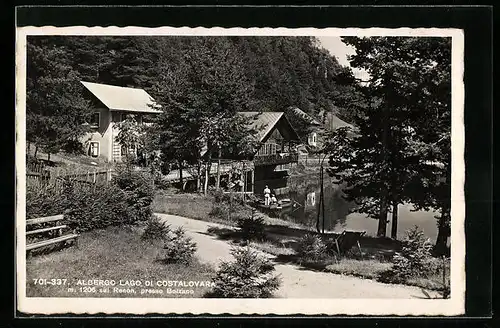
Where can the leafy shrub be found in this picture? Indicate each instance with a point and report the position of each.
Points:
(85, 207)
(412, 261)
(226, 206)
(156, 229)
(220, 211)
(252, 228)
(218, 195)
(178, 247)
(249, 276)
(300, 167)
(227, 198)
(89, 208)
(45, 200)
(126, 200)
(312, 248)
(139, 187)
(73, 147)
(162, 184)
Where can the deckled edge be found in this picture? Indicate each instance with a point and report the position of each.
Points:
(453, 306)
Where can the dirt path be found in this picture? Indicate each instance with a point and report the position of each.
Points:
(297, 282)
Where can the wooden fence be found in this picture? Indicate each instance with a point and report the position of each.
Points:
(89, 176)
(35, 167)
(311, 159)
(37, 178)
(57, 178)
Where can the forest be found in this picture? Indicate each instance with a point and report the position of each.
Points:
(398, 152)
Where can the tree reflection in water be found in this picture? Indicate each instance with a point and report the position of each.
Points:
(305, 191)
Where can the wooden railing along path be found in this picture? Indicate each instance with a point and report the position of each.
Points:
(174, 175)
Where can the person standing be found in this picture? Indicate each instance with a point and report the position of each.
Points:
(267, 195)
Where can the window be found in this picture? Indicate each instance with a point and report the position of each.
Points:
(147, 119)
(95, 120)
(124, 152)
(268, 149)
(312, 139)
(94, 149)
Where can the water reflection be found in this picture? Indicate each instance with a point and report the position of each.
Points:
(305, 190)
(311, 199)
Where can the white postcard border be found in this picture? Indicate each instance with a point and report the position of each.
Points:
(455, 305)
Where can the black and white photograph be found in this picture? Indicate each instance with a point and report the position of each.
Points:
(211, 170)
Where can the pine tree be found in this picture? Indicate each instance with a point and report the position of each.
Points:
(390, 155)
(55, 107)
(201, 94)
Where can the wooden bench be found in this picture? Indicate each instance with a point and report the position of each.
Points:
(55, 231)
(347, 240)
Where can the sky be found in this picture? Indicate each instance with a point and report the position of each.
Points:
(340, 50)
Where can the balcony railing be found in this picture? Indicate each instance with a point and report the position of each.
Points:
(276, 159)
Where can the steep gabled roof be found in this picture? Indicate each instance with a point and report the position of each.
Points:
(122, 98)
(333, 122)
(264, 122)
(303, 115)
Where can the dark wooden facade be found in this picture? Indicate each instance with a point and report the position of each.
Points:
(278, 146)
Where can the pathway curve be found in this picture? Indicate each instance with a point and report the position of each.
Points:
(297, 282)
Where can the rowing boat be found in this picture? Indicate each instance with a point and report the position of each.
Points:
(281, 204)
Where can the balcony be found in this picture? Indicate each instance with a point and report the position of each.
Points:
(276, 159)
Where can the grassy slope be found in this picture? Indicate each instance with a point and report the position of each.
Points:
(112, 253)
(193, 206)
(198, 207)
(70, 162)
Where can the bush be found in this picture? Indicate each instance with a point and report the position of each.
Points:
(252, 228)
(226, 206)
(156, 229)
(249, 276)
(45, 201)
(413, 260)
(89, 208)
(178, 247)
(139, 187)
(312, 248)
(219, 196)
(162, 184)
(85, 207)
(220, 211)
(230, 198)
(126, 200)
(300, 167)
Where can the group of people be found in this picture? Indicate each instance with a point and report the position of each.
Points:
(268, 197)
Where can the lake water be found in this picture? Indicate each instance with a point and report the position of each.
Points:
(305, 190)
